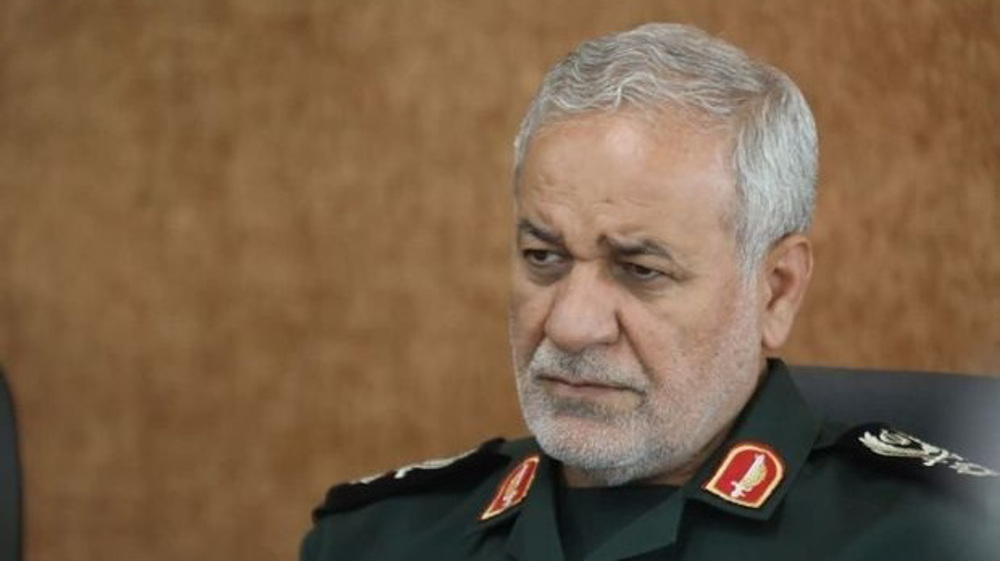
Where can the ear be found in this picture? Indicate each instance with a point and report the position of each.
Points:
(786, 274)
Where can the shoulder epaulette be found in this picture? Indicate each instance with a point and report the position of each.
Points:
(412, 478)
(887, 449)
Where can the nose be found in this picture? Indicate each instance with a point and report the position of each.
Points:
(584, 311)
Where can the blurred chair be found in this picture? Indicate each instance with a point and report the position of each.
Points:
(10, 479)
(957, 412)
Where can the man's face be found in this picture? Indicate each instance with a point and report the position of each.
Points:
(635, 340)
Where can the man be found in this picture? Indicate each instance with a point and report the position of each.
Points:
(663, 185)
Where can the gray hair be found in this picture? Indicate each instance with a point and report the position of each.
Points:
(660, 66)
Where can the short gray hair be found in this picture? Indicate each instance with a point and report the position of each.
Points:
(659, 66)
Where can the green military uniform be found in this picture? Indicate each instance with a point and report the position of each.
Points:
(858, 494)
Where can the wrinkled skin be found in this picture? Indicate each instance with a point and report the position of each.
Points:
(636, 339)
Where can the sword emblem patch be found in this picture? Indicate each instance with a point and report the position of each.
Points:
(513, 488)
(748, 475)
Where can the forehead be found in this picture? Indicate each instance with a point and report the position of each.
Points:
(628, 173)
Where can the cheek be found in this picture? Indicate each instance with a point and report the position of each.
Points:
(657, 337)
(529, 308)
(674, 341)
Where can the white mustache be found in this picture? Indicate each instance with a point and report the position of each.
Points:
(587, 367)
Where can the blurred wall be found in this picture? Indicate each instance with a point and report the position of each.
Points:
(250, 248)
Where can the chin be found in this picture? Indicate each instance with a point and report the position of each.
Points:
(605, 456)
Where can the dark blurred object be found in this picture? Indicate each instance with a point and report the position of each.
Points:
(10, 479)
(958, 412)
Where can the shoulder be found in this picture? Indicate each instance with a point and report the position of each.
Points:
(885, 493)
(456, 475)
(891, 449)
(879, 452)
(420, 510)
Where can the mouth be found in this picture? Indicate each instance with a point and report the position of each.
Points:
(581, 388)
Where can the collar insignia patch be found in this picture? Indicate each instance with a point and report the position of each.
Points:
(748, 475)
(513, 488)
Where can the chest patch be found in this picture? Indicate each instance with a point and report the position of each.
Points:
(748, 475)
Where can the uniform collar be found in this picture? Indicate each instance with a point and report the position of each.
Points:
(534, 529)
(535, 535)
(534, 532)
(778, 417)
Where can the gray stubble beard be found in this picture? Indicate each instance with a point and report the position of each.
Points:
(600, 452)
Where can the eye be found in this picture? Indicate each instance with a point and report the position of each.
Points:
(541, 257)
(640, 272)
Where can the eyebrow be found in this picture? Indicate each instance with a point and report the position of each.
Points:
(623, 248)
(645, 246)
(527, 227)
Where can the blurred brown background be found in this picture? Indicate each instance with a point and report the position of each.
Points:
(251, 248)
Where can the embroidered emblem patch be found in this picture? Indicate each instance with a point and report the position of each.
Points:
(896, 444)
(513, 488)
(748, 475)
(400, 473)
(425, 475)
